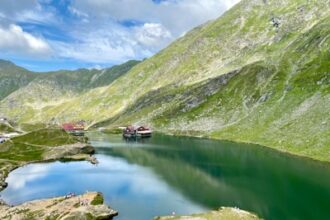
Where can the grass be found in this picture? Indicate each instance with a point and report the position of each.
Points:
(33, 127)
(278, 97)
(5, 128)
(20, 152)
(98, 200)
(280, 102)
(113, 131)
(48, 137)
(31, 146)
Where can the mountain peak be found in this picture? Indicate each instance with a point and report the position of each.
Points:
(6, 63)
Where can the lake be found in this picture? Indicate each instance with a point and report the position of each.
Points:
(165, 174)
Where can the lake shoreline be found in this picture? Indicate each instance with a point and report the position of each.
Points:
(84, 157)
(277, 150)
(68, 153)
(74, 152)
(77, 152)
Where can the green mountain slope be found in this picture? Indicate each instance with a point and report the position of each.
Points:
(12, 78)
(280, 102)
(260, 73)
(50, 89)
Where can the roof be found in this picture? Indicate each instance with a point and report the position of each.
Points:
(72, 126)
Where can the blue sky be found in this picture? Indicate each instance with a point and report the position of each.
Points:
(44, 35)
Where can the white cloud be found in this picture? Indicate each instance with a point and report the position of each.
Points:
(14, 40)
(97, 46)
(152, 34)
(107, 41)
(104, 42)
(77, 13)
(176, 16)
(93, 32)
(37, 16)
(28, 11)
(18, 179)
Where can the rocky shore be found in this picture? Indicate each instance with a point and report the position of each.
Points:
(223, 213)
(83, 207)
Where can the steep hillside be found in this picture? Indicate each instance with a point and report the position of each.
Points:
(254, 30)
(281, 102)
(260, 73)
(53, 88)
(12, 78)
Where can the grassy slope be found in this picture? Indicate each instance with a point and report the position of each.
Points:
(279, 102)
(295, 118)
(31, 146)
(6, 128)
(12, 78)
(276, 93)
(51, 89)
(242, 36)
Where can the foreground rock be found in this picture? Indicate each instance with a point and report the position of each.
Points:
(221, 214)
(87, 206)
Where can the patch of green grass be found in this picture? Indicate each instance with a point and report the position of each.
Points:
(77, 205)
(33, 127)
(47, 137)
(31, 146)
(98, 200)
(52, 217)
(21, 152)
(4, 128)
(113, 131)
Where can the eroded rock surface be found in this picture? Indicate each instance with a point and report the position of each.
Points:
(87, 206)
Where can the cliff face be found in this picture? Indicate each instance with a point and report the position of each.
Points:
(260, 73)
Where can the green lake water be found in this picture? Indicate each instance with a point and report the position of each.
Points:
(165, 174)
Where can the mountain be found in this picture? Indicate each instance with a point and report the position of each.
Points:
(45, 90)
(12, 78)
(259, 74)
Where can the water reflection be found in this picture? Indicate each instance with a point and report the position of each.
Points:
(133, 190)
(272, 184)
(34, 172)
(186, 175)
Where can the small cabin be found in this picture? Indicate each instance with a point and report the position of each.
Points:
(137, 131)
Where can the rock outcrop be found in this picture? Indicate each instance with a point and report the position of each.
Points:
(61, 208)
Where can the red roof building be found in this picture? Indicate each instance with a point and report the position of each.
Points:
(73, 127)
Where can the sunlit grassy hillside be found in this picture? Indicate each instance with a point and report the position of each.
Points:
(260, 73)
